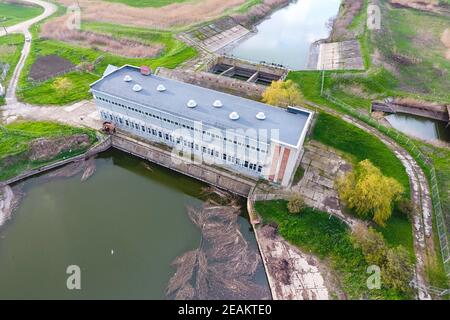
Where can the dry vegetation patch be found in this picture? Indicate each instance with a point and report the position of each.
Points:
(349, 10)
(259, 11)
(164, 17)
(435, 6)
(56, 29)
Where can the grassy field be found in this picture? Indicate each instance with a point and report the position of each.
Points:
(147, 3)
(45, 93)
(383, 80)
(401, 61)
(11, 14)
(359, 145)
(328, 238)
(15, 139)
(10, 48)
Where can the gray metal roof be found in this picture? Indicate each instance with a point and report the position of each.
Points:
(177, 94)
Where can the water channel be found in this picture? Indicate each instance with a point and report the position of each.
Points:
(286, 36)
(420, 127)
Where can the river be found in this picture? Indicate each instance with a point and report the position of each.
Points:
(123, 227)
(286, 36)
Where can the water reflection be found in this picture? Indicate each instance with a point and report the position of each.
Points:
(419, 127)
(286, 36)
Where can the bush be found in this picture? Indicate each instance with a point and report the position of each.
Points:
(371, 244)
(398, 269)
(405, 206)
(296, 204)
(395, 263)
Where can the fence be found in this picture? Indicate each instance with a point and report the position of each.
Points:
(422, 159)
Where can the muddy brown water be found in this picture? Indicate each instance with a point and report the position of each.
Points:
(124, 226)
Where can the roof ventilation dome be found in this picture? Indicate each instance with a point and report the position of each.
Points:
(161, 88)
(127, 78)
(191, 104)
(234, 116)
(218, 104)
(137, 88)
(261, 116)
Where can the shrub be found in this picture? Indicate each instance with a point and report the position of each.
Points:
(405, 206)
(371, 244)
(398, 269)
(296, 204)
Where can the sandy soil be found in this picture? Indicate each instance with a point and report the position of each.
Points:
(168, 16)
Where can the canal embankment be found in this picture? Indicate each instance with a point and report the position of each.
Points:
(291, 273)
(102, 145)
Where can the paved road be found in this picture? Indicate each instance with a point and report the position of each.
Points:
(49, 9)
(23, 28)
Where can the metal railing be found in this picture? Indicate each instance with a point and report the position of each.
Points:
(422, 159)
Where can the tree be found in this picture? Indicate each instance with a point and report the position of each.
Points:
(62, 84)
(371, 244)
(369, 193)
(296, 204)
(398, 269)
(283, 94)
(395, 263)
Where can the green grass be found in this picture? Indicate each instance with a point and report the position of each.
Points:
(11, 14)
(45, 93)
(360, 145)
(328, 238)
(10, 49)
(147, 3)
(15, 140)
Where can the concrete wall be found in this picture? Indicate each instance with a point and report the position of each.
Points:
(221, 179)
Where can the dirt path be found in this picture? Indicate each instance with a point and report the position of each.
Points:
(81, 113)
(420, 196)
(23, 27)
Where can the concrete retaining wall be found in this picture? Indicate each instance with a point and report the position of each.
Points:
(216, 177)
(221, 179)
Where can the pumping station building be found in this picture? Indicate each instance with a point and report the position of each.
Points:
(243, 136)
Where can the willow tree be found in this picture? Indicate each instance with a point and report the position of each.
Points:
(369, 192)
(283, 94)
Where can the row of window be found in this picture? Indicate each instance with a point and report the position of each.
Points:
(188, 144)
(181, 125)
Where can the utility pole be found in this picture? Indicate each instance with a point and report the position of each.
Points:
(323, 83)
(6, 31)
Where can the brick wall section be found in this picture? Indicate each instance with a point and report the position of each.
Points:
(284, 162)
